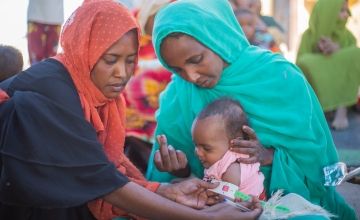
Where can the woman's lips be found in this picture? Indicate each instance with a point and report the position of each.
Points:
(203, 83)
(207, 83)
(117, 87)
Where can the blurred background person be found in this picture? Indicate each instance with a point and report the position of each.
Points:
(272, 26)
(45, 18)
(248, 22)
(329, 59)
(143, 90)
(11, 61)
(261, 37)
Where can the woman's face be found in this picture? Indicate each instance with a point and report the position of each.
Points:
(344, 12)
(115, 67)
(192, 61)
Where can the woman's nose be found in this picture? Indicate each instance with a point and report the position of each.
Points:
(192, 75)
(120, 70)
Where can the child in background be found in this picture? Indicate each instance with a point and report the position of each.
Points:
(143, 90)
(247, 21)
(212, 130)
(256, 36)
(11, 61)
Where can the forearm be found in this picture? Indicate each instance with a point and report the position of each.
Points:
(139, 201)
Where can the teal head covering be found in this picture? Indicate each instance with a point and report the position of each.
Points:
(280, 104)
(217, 23)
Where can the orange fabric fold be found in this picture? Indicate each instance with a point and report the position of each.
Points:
(92, 29)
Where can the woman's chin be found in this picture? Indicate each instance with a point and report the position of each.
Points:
(113, 94)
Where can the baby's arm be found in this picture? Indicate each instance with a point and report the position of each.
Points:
(233, 174)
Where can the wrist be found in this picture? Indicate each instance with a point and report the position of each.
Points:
(268, 156)
(166, 190)
(182, 173)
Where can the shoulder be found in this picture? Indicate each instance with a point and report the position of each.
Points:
(49, 79)
(233, 174)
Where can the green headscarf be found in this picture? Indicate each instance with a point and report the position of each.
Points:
(325, 21)
(335, 77)
(280, 104)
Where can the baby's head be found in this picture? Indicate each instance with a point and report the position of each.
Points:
(214, 128)
(247, 21)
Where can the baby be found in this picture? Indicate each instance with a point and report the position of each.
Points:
(257, 34)
(212, 130)
(247, 21)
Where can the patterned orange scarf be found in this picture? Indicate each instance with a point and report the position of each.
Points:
(86, 35)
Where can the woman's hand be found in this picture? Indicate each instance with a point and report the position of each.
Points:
(253, 148)
(326, 46)
(167, 159)
(191, 192)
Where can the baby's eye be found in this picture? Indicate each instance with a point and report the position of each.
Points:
(207, 149)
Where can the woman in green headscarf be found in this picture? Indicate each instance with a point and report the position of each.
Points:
(201, 42)
(329, 59)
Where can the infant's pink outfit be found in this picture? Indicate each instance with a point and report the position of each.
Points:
(251, 179)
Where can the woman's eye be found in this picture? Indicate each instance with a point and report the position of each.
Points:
(110, 59)
(130, 60)
(196, 59)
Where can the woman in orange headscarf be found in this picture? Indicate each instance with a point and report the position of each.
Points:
(62, 130)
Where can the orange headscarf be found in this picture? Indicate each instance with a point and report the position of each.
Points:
(92, 29)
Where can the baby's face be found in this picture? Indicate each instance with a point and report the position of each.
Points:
(248, 24)
(210, 139)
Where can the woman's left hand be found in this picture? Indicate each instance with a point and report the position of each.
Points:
(191, 192)
(253, 148)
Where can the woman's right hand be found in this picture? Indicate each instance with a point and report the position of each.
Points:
(253, 148)
(167, 159)
(226, 211)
